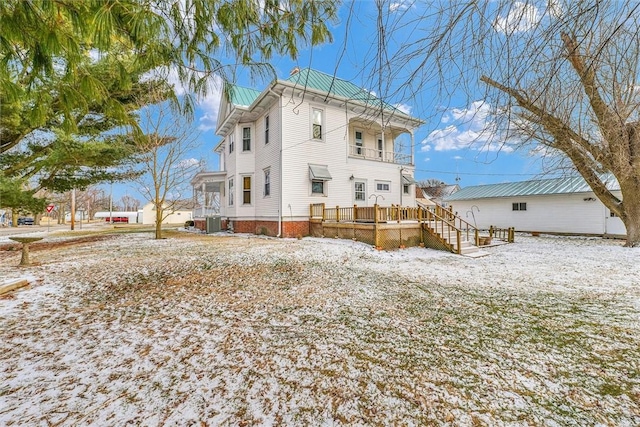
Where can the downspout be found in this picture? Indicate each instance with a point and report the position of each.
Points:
(401, 185)
(280, 163)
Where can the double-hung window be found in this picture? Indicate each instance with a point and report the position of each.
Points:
(231, 143)
(267, 182)
(359, 189)
(230, 191)
(246, 190)
(246, 139)
(359, 142)
(317, 114)
(266, 130)
(380, 147)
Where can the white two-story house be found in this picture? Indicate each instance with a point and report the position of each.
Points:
(311, 138)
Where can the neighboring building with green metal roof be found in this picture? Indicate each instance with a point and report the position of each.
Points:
(566, 185)
(555, 205)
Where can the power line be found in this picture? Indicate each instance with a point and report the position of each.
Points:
(478, 174)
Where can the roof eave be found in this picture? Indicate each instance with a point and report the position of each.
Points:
(415, 122)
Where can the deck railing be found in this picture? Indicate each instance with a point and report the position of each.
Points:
(506, 234)
(359, 151)
(447, 224)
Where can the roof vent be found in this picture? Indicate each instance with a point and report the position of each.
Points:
(294, 71)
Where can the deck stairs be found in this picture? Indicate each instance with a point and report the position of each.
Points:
(447, 231)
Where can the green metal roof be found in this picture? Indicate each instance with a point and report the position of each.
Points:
(243, 96)
(529, 188)
(332, 85)
(319, 81)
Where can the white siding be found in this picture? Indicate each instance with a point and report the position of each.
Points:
(300, 150)
(558, 213)
(267, 156)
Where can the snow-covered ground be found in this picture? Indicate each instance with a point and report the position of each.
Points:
(244, 330)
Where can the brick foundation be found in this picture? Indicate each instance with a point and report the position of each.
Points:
(201, 224)
(266, 228)
(295, 228)
(270, 228)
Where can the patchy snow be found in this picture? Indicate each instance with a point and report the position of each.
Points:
(247, 330)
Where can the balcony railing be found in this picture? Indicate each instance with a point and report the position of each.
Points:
(379, 155)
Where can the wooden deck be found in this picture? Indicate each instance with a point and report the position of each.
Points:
(400, 226)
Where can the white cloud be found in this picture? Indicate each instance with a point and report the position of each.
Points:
(521, 17)
(210, 106)
(399, 5)
(471, 128)
(188, 163)
(404, 108)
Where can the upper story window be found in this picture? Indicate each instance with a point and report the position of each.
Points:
(266, 129)
(267, 182)
(317, 117)
(232, 143)
(230, 191)
(380, 147)
(405, 188)
(246, 190)
(246, 139)
(359, 142)
(519, 206)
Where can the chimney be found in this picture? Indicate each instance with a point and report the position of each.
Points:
(294, 71)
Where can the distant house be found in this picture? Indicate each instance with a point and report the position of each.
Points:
(558, 205)
(309, 139)
(437, 193)
(422, 199)
(178, 216)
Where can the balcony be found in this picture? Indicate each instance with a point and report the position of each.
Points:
(360, 152)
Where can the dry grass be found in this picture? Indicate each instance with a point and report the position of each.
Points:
(257, 331)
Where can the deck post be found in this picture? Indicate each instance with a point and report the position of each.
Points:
(511, 237)
(477, 237)
(355, 213)
(337, 213)
(458, 238)
(311, 210)
(491, 231)
(323, 217)
(399, 212)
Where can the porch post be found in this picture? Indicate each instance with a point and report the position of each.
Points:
(204, 198)
(412, 157)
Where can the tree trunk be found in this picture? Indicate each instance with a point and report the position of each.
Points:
(159, 213)
(631, 218)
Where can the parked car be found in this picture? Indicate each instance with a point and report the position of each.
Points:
(25, 221)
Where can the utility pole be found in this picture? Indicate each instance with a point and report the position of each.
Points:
(111, 204)
(73, 209)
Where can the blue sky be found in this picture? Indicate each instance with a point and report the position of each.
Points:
(454, 145)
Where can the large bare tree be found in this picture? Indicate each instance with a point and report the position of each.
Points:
(560, 78)
(166, 163)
